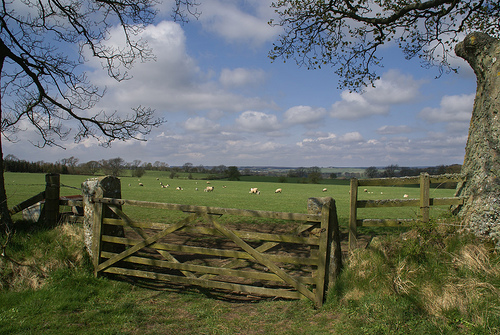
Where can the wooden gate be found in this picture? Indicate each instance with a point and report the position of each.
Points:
(202, 247)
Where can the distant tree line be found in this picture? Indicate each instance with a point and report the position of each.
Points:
(397, 171)
(311, 175)
(116, 167)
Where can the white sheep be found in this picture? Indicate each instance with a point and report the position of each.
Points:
(141, 184)
(209, 189)
(405, 196)
(254, 190)
(178, 188)
(324, 190)
(278, 190)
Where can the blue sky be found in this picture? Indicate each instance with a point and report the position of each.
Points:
(225, 102)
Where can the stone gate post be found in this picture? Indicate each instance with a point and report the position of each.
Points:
(106, 187)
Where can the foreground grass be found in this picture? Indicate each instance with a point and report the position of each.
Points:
(429, 280)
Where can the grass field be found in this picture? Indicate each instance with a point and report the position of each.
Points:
(235, 194)
(431, 280)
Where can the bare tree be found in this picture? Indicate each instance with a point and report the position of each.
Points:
(347, 35)
(45, 87)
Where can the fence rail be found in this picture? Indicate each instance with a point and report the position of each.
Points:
(45, 207)
(424, 201)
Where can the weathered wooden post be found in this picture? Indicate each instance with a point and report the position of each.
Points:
(353, 225)
(103, 187)
(424, 197)
(50, 215)
(329, 246)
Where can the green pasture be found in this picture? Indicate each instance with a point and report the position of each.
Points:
(230, 194)
(436, 279)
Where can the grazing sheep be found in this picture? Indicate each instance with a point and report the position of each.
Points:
(405, 196)
(278, 190)
(365, 190)
(178, 188)
(209, 189)
(324, 190)
(224, 186)
(208, 182)
(141, 184)
(254, 190)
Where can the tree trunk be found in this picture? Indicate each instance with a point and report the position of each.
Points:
(481, 211)
(5, 219)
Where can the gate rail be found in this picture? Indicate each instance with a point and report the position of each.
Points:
(246, 261)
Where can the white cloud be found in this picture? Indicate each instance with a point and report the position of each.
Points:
(392, 130)
(455, 108)
(355, 106)
(392, 88)
(241, 77)
(243, 24)
(201, 125)
(174, 82)
(251, 121)
(352, 137)
(330, 139)
(304, 115)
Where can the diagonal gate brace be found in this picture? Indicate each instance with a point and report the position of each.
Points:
(263, 260)
(129, 222)
(170, 229)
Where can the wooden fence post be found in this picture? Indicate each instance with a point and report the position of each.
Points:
(107, 187)
(96, 220)
(330, 246)
(424, 197)
(334, 250)
(50, 214)
(353, 225)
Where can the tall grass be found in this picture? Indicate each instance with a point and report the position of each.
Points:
(448, 279)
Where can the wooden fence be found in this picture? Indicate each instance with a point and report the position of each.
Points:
(424, 202)
(45, 207)
(202, 248)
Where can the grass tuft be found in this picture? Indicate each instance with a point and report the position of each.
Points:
(35, 254)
